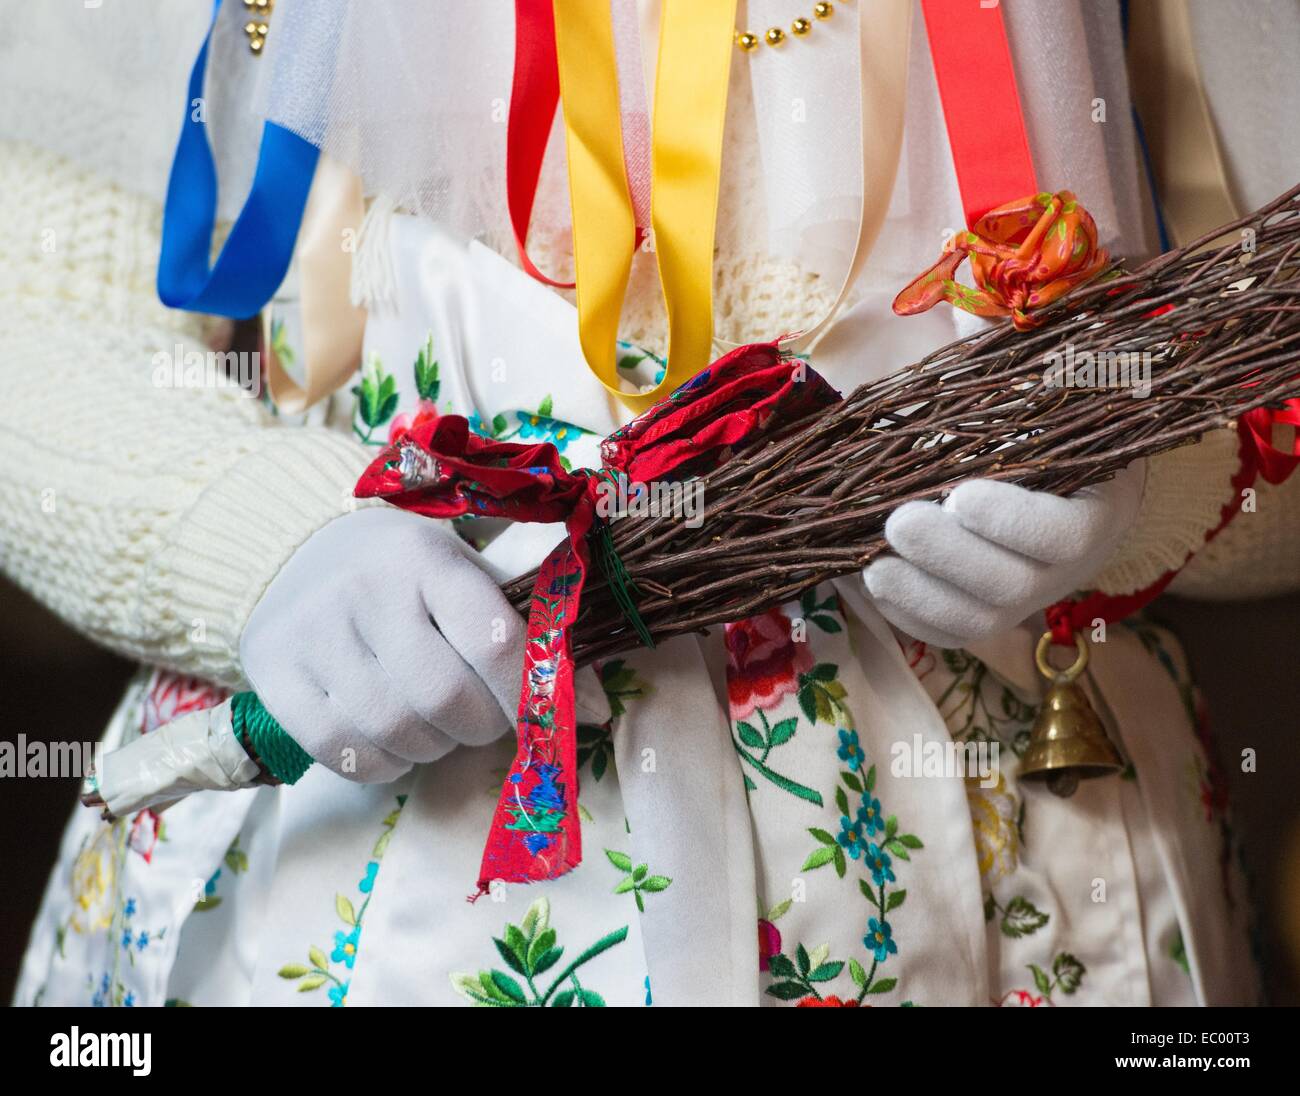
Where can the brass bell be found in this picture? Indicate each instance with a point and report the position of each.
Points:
(1068, 742)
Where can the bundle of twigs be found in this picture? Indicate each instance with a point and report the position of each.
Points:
(1219, 319)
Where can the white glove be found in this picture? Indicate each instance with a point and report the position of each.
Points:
(382, 643)
(991, 554)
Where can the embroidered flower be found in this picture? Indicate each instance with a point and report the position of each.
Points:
(869, 816)
(129, 909)
(769, 942)
(536, 842)
(345, 946)
(827, 1002)
(920, 659)
(128, 1001)
(763, 662)
(993, 819)
(880, 939)
(424, 410)
(142, 941)
(850, 837)
(545, 428)
(171, 696)
(1020, 998)
(339, 994)
(879, 863)
(146, 828)
(546, 794)
(850, 751)
(93, 875)
(368, 883)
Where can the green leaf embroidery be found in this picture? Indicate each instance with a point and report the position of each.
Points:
(427, 384)
(1022, 918)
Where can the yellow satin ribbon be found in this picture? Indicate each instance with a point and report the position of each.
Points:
(690, 106)
(332, 326)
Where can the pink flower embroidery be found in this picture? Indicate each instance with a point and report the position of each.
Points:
(769, 942)
(763, 663)
(425, 409)
(171, 696)
(1020, 998)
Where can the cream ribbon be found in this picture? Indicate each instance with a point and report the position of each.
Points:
(332, 326)
(884, 34)
(1166, 85)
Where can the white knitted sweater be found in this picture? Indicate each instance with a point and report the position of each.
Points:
(152, 518)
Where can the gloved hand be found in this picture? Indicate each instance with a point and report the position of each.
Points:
(383, 643)
(992, 553)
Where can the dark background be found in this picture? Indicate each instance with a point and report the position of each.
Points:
(56, 685)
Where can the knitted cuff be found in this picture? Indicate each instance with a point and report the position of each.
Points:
(231, 543)
(1186, 489)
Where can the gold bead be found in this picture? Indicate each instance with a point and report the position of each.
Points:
(256, 44)
(823, 11)
(801, 27)
(747, 41)
(775, 36)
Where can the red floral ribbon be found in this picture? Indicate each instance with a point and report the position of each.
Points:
(440, 469)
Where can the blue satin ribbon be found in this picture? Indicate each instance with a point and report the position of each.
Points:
(256, 254)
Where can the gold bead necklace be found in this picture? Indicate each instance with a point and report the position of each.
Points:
(747, 41)
(256, 27)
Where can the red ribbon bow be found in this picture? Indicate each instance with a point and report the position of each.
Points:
(440, 469)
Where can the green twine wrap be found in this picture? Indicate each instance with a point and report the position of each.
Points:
(620, 582)
(254, 726)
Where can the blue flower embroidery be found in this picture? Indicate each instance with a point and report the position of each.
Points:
(536, 842)
(142, 941)
(368, 883)
(345, 946)
(339, 994)
(869, 816)
(850, 751)
(880, 939)
(129, 909)
(547, 794)
(851, 836)
(129, 1000)
(878, 861)
(545, 428)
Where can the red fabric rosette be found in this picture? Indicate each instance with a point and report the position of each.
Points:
(1023, 255)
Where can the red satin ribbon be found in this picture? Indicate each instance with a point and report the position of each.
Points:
(440, 469)
(1256, 428)
(977, 86)
(534, 95)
